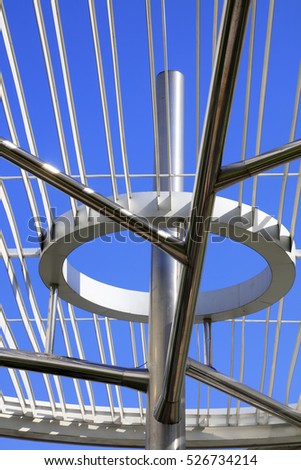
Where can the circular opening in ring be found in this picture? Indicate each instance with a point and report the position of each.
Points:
(129, 260)
(234, 263)
(258, 292)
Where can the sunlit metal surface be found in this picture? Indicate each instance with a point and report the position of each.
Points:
(95, 201)
(222, 85)
(48, 363)
(225, 384)
(236, 172)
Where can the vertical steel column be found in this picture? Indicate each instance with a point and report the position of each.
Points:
(232, 29)
(208, 342)
(165, 270)
(50, 331)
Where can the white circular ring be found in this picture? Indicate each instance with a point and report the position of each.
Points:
(253, 228)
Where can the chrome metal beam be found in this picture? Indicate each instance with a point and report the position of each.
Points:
(221, 382)
(236, 172)
(165, 270)
(75, 368)
(167, 242)
(228, 51)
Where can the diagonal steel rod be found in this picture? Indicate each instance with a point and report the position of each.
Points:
(228, 51)
(221, 382)
(75, 368)
(236, 172)
(167, 242)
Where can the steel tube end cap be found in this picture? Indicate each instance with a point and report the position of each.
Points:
(167, 412)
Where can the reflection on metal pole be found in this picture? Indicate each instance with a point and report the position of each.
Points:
(236, 172)
(221, 382)
(165, 270)
(90, 198)
(75, 368)
(50, 332)
(228, 52)
(208, 342)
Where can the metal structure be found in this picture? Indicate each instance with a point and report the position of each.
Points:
(63, 332)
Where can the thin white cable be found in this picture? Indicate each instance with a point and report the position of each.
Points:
(292, 137)
(68, 90)
(248, 94)
(164, 34)
(53, 93)
(24, 111)
(119, 99)
(113, 362)
(263, 91)
(153, 92)
(103, 96)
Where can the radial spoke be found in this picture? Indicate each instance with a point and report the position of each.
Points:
(242, 392)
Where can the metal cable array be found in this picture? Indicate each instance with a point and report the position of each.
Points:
(113, 165)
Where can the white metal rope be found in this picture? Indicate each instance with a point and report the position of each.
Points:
(68, 90)
(153, 92)
(137, 175)
(248, 95)
(231, 372)
(113, 362)
(291, 138)
(103, 361)
(11, 341)
(275, 349)
(23, 107)
(53, 92)
(264, 79)
(296, 205)
(16, 383)
(62, 320)
(164, 35)
(293, 362)
(13, 226)
(242, 364)
(24, 314)
(81, 354)
(103, 96)
(24, 175)
(136, 364)
(119, 98)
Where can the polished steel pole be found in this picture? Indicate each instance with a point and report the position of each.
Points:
(50, 332)
(229, 47)
(239, 171)
(135, 378)
(225, 384)
(165, 269)
(92, 199)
